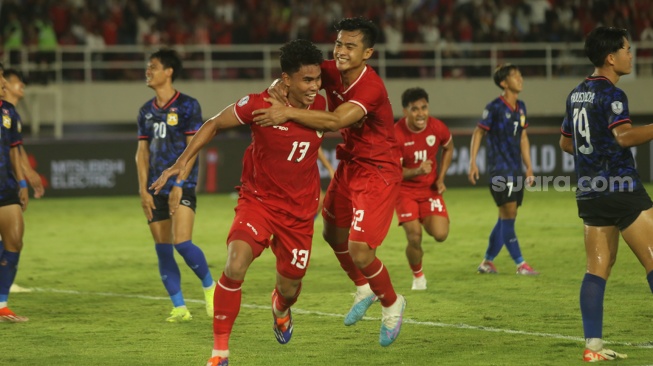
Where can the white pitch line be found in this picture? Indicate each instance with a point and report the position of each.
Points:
(648, 345)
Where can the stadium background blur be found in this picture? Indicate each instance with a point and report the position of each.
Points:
(85, 62)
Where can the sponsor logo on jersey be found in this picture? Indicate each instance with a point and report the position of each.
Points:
(243, 101)
(20, 127)
(282, 128)
(430, 140)
(508, 115)
(319, 133)
(173, 119)
(409, 143)
(338, 95)
(148, 116)
(485, 113)
(617, 107)
(6, 121)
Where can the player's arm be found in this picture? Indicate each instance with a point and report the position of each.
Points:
(142, 168)
(445, 163)
(17, 167)
(32, 176)
(566, 144)
(345, 115)
(325, 162)
(526, 157)
(474, 146)
(424, 168)
(628, 136)
(225, 119)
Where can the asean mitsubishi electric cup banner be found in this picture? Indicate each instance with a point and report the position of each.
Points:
(105, 168)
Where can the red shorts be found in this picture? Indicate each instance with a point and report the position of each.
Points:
(360, 199)
(411, 208)
(289, 238)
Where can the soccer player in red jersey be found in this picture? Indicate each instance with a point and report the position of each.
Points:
(420, 201)
(275, 208)
(360, 200)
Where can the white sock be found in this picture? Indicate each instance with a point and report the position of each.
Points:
(364, 288)
(594, 344)
(220, 353)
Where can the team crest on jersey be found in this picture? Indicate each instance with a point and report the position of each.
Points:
(430, 140)
(243, 101)
(522, 118)
(173, 119)
(617, 107)
(319, 133)
(6, 121)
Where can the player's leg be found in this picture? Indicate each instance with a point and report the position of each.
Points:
(182, 226)
(168, 269)
(435, 219)
(508, 216)
(601, 244)
(414, 252)
(638, 237)
(337, 214)
(373, 202)
(11, 229)
(248, 237)
(292, 245)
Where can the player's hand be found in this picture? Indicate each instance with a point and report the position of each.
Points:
(530, 178)
(279, 91)
(473, 174)
(439, 184)
(147, 202)
(426, 167)
(271, 116)
(34, 180)
(23, 196)
(174, 171)
(174, 198)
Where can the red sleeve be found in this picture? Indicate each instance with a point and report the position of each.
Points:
(246, 105)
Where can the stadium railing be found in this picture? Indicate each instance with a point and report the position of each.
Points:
(259, 61)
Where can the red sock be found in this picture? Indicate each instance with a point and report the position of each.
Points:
(417, 269)
(226, 305)
(282, 304)
(342, 253)
(379, 278)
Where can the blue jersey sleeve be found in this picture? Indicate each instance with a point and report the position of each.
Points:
(487, 118)
(143, 132)
(616, 112)
(194, 119)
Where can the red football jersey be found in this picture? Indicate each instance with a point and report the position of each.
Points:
(417, 147)
(373, 143)
(280, 165)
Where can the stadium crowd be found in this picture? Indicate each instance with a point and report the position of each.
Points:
(96, 23)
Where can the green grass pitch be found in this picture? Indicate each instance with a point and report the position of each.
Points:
(99, 299)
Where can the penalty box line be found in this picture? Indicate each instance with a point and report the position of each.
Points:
(648, 345)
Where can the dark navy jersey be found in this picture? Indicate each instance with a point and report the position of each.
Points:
(11, 138)
(504, 126)
(166, 130)
(594, 108)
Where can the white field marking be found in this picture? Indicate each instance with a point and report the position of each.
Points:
(648, 345)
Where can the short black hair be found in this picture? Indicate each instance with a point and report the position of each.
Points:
(501, 73)
(11, 71)
(411, 95)
(367, 27)
(603, 41)
(169, 59)
(297, 53)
